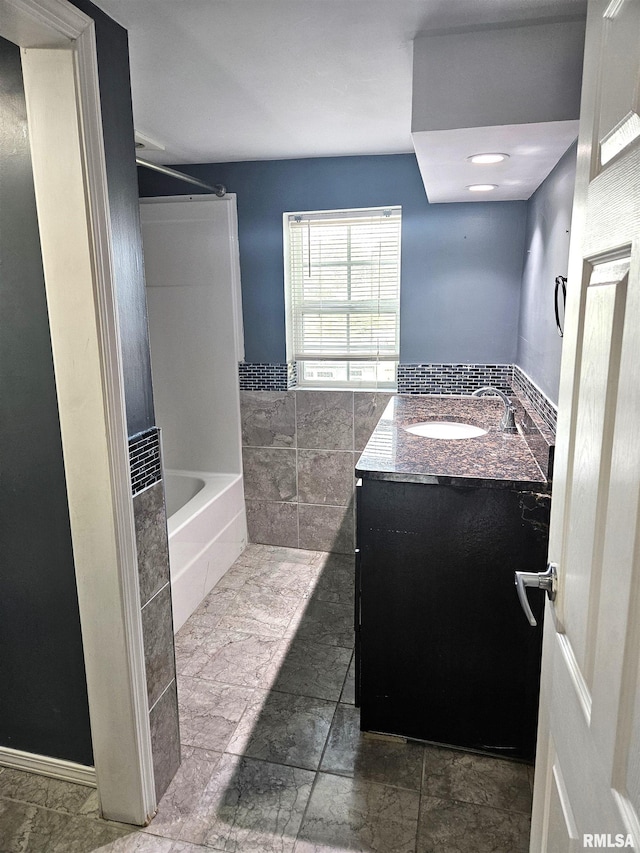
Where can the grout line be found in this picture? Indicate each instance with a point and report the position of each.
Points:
(156, 594)
(317, 774)
(353, 421)
(72, 815)
(295, 429)
(420, 793)
(324, 748)
(346, 675)
(333, 506)
(173, 681)
(262, 761)
(488, 805)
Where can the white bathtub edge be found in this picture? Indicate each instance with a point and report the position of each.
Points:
(200, 501)
(198, 577)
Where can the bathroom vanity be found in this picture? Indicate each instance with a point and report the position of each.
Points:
(444, 652)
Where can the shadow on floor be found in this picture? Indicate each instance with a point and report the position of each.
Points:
(273, 759)
(295, 774)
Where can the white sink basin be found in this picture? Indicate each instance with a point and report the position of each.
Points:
(446, 429)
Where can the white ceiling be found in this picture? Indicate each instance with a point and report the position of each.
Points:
(225, 80)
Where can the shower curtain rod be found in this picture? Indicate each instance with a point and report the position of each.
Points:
(218, 189)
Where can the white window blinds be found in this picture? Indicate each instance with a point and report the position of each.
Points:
(343, 285)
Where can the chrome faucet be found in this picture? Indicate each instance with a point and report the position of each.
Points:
(508, 422)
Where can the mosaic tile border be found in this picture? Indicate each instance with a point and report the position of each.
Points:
(260, 376)
(452, 378)
(433, 378)
(292, 375)
(541, 404)
(412, 378)
(144, 459)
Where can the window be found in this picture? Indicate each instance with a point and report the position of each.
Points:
(342, 287)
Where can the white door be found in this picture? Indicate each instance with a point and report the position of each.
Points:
(587, 784)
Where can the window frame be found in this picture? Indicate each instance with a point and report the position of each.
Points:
(348, 384)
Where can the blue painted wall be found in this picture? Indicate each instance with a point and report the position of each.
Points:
(124, 210)
(546, 256)
(461, 263)
(43, 697)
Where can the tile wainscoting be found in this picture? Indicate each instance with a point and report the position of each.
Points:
(543, 409)
(299, 453)
(155, 603)
(431, 378)
(300, 447)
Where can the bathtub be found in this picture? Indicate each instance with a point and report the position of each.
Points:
(207, 532)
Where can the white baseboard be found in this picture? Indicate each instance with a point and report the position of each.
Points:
(56, 768)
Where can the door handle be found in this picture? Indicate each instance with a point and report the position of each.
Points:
(539, 580)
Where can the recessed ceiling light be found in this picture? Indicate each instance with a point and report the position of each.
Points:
(482, 188)
(488, 159)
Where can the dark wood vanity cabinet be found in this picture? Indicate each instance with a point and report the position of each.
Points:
(444, 652)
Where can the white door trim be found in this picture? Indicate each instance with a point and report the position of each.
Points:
(65, 127)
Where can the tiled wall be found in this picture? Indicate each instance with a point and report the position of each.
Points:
(540, 403)
(155, 602)
(300, 447)
(299, 453)
(420, 379)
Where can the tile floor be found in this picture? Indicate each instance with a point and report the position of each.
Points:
(273, 760)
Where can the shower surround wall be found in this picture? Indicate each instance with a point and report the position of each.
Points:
(193, 296)
(299, 453)
(190, 276)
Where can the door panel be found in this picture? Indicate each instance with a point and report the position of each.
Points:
(588, 771)
(582, 558)
(563, 833)
(618, 120)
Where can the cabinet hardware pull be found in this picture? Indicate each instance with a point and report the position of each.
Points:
(547, 580)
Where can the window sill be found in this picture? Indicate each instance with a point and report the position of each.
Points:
(383, 389)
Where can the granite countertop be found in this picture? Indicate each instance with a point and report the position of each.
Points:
(496, 459)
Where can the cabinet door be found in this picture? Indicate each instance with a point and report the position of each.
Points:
(446, 654)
